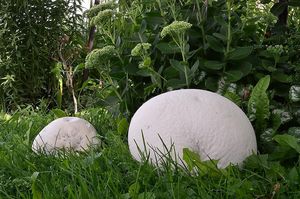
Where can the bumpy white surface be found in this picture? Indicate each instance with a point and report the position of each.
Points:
(69, 133)
(202, 121)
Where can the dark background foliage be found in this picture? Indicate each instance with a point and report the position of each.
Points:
(31, 31)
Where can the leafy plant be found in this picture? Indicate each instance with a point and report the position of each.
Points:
(258, 104)
(30, 32)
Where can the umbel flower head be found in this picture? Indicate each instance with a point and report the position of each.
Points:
(176, 27)
(140, 49)
(97, 57)
(103, 17)
(103, 6)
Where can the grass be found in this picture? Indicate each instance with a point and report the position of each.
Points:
(110, 172)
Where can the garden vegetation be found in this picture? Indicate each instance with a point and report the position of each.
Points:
(101, 65)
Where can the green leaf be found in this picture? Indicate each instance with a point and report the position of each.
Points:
(211, 83)
(294, 176)
(258, 104)
(193, 160)
(233, 97)
(215, 44)
(220, 36)
(245, 68)
(294, 131)
(278, 8)
(177, 65)
(134, 190)
(240, 53)
(281, 77)
(79, 68)
(122, 127)
(257, 161)
(288, 140)
(175, 83)
(214, 65)
(195, 67)
(234, 75)
(168, 48)
(58, 113)
(36, 194)
(294, 93)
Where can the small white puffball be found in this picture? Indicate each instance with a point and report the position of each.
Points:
(68, 133)
(202, 121)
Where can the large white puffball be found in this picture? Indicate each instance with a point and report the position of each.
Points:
(68, 133)
(202, 121)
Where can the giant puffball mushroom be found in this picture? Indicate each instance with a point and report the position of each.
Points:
(202, 121)
(67, 133)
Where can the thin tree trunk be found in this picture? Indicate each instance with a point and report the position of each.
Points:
(283, 17)
(90, 45)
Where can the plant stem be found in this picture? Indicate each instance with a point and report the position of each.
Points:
(200, 19)
(228, 3)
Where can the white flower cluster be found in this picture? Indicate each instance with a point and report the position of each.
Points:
(140, 49)
(177, 27)
(103, 6)
(275, 50)
(97, 57)
(103, 17)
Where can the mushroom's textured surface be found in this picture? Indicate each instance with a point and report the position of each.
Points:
(68, 133)
(205, 122)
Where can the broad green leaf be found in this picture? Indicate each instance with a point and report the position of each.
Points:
(215, 44)
(233, 75)
(245, 68)
(214, 65)
(154, 19)
(257, 161)
(281, 77)
(211, 84)
(179, 66)
(220, 36)
(175, 83)
(58, 113)
(168, 48)
(240, 53)
(293, 176)
(145, 72)
(122, 126)
(288, 140)
(258, 104)
(283, 152)
(294, 93)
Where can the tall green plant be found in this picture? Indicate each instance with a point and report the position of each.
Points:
(30, 35)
